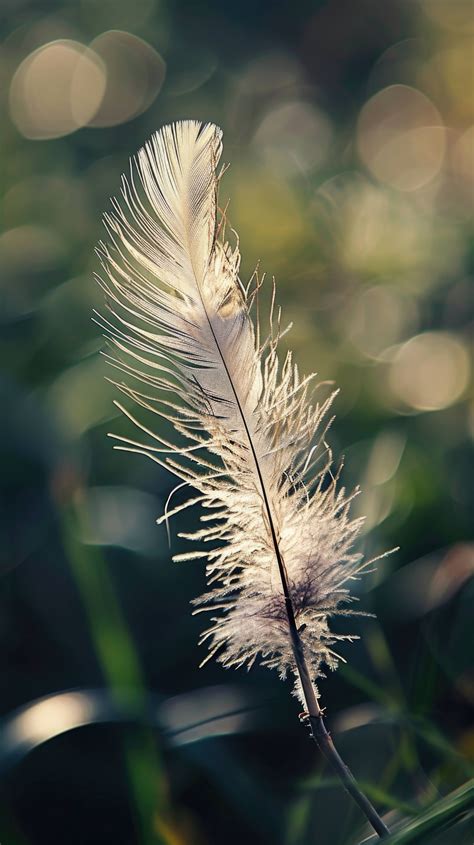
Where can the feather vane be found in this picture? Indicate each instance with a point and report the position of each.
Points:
(255, 456)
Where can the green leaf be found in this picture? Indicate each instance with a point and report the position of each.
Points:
(441, 814)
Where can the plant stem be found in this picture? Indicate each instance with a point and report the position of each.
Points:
(321, 735)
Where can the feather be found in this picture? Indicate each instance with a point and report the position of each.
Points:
(280, 559)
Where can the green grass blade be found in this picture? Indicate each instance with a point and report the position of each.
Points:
(441, 814)
(121, 667)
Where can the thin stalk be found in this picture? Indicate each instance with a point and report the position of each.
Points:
(321, 735)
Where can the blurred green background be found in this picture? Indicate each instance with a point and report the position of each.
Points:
(349, 128)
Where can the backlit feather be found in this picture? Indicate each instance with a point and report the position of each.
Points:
(251, 445)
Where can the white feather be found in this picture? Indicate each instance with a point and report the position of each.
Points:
(184, 337)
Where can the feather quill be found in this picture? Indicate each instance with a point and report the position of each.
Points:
(251, 430)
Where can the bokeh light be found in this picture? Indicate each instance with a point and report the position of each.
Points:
(50, 717)
(135, 73)
(295, 137)
(79, 398)
(56, 90)
(121, 516)
(380, 233)
(378, 318)
(401, 137)
(64, 85)
(385, 457)
(430, 371)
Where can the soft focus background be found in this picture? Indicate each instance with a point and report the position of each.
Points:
(349, 127)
